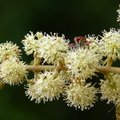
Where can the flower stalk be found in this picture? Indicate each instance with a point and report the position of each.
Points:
(69, 66)
(108, 69)
(101, 69)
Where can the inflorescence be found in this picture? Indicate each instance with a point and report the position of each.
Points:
(69, 66)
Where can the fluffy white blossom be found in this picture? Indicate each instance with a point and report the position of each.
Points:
(50, 47)
(80, 95)
(110, 44)
(53, 48)
(12, 71)
(45, 87)
(93, 43)
(82, 63)
(8, 50)
(110, 89)
(31, 44)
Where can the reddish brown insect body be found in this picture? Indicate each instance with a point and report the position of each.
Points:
(81, 41)
(78, 39)
(72, 45)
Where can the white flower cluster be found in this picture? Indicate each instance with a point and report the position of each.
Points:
(9, 50)
(110, 44)
(94, 43)
(110, 88)
(73, 64)
(31, 45)
(12, 70)
(118, 19)
(81, 63)
(50, 47)
(80, 95)
(45, 87)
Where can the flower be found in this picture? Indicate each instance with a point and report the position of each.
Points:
(110, 44)
(118, 18)
(12, 71)
(31, 45)
(45, 87)
(50, 47)
(81, 63)
(80, 95)
(93, 43)
(8, 50)
(110, 88)
(53, 48)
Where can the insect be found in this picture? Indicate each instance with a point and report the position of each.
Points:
(80, 42)
(72, 45)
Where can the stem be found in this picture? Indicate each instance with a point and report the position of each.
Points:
(44, 67)
(108, 69)
(39, 67)
(102, 69)
(109, 61)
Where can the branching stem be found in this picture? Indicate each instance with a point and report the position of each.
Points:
(102, 69)
(44, 67)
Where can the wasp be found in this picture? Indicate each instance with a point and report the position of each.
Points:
(80, 42)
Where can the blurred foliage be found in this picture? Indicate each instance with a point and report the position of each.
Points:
(72, 18)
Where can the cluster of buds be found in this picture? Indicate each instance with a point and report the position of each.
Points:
(62, 68)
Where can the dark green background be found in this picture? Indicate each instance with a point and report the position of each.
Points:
(69, 17)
